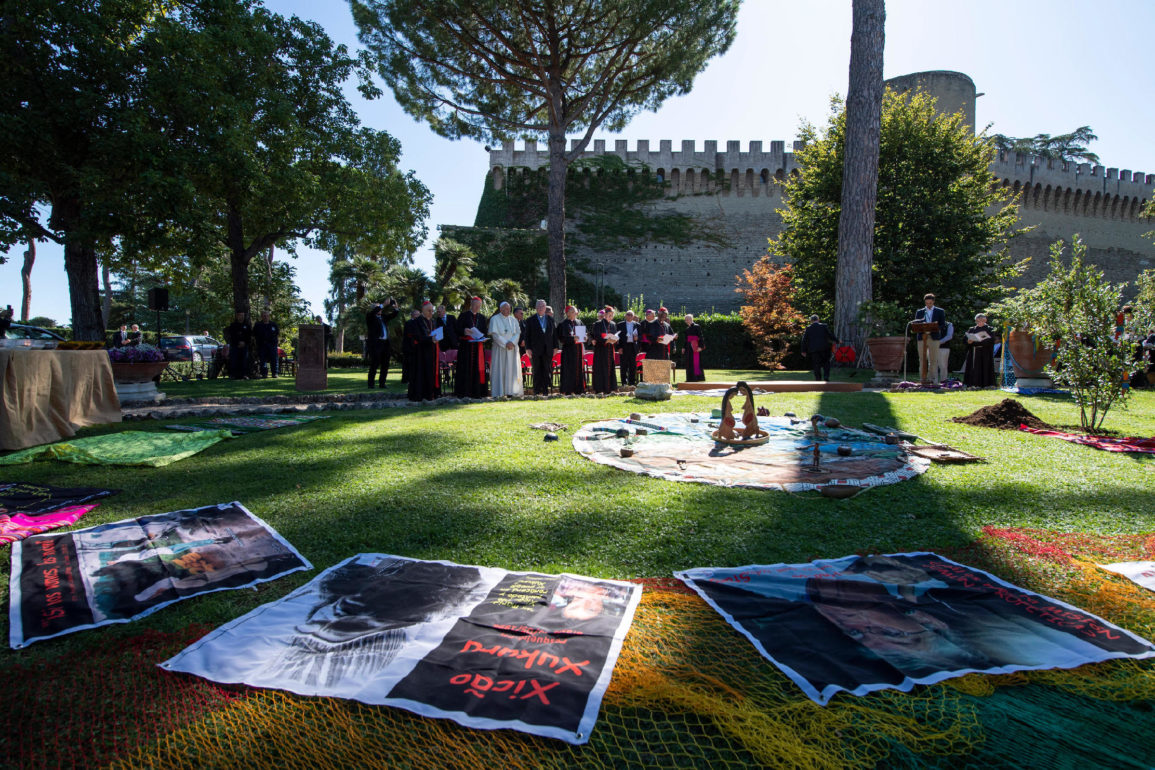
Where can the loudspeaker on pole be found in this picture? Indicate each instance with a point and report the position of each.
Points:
(158, 298)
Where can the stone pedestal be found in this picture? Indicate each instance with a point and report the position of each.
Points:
(138, 393)
(135, 383)
(311, 358)
(1034, 382)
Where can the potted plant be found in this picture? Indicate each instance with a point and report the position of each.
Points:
(135, 369)
(1028, 350)
(885, 323)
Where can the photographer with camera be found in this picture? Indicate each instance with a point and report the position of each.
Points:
(377, 338)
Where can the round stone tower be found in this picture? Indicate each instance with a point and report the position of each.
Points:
(954, 91)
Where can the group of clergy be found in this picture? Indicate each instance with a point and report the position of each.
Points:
(539, 337)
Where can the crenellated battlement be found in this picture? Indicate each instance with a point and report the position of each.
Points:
(1037, 170)
(662, 158)
(1074, 188)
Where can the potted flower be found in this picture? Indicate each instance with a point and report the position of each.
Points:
(135, 369)
(885, 323)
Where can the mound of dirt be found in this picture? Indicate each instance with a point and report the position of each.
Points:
(1008, 414)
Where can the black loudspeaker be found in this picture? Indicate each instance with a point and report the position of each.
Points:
(158, 298)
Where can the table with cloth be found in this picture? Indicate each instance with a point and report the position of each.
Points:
(46, 395)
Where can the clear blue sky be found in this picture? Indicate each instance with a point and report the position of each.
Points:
(1045, 66)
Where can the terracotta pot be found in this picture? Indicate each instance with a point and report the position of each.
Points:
(886, 353)
(1028, 361)
(135, 373)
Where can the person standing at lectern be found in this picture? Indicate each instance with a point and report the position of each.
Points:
(928, 358)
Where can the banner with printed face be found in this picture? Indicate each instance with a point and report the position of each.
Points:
(119, 572)
(865, 623)
(482, 646)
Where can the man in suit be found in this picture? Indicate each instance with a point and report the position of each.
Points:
(817, 341)
(377, 339)
(449, 324)
(120, 338)
(540, 340)
(629, 331)
(928, 355)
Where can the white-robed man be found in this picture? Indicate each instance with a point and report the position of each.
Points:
(505, 361)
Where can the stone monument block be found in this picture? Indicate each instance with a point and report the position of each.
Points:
(311, 358)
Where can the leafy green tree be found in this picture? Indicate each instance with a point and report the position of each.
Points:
(70, 145)
(492, 69)
(1076, 305)
(932, 229)
(260, 146)
(1068, 147)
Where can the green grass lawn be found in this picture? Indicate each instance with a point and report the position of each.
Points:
(475, 485)
(355, 381)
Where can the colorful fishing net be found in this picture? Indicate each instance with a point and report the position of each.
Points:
(688, 691)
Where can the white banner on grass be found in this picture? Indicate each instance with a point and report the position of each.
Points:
(482, 646)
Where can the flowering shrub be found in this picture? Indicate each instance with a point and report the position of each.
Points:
(136, 354)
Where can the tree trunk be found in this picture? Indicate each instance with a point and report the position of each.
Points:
(106, 297)
(555, 227)
(239, 259)
(80, 266)
(26, 280)
(852, 283)
(269, 278)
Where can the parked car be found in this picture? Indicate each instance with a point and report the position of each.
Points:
(189, 348)
(25, 332)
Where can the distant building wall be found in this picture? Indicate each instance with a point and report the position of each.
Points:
(737, 190)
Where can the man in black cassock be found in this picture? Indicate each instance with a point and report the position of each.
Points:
(407, 350)
(519, 314)
(654, 328)
(604, 378)
(692, 353)
(816, 343)
(239, 335)
(377, 339)
(471, 380)
(267, 336)
(572, 378)
(540, 340)
(651, 329)
(980, 362)
(424, 372)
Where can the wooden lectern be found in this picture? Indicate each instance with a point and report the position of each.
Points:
(925, 329)
(311, 358)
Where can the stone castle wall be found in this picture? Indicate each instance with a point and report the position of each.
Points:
(738, 190)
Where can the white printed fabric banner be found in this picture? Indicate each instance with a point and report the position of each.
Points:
(1141, 572)
(482, 646)
(865, 623)
(118, 572)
